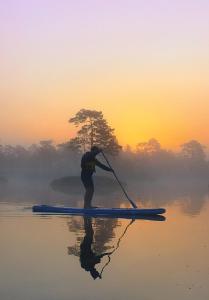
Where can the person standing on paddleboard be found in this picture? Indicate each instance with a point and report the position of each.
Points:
(88, 164)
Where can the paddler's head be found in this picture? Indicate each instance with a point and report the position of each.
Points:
(95, 150)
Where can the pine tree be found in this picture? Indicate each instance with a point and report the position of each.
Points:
(94, 130)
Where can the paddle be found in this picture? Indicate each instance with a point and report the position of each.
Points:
(115, 248)
(116, 177)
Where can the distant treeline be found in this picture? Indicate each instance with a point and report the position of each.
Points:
(149, 161)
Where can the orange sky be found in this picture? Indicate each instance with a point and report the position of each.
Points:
(146, 70)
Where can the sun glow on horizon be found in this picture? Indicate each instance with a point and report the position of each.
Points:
(146, 67)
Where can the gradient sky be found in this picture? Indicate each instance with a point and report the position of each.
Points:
(145, 64)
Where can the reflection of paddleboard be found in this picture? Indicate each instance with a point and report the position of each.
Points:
(100, 211)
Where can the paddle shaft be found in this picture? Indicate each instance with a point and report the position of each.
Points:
(116, 177)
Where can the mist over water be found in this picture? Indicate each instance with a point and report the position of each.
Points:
(190, 195)
(149, 164)
(152, 176)
(57, 255)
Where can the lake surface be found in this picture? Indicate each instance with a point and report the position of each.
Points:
(53, 257)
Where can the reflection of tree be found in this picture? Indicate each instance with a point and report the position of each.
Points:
(193, 205)
(103, 233)
(95, 243)
(75, 225)
(84, 248)
(190, 195)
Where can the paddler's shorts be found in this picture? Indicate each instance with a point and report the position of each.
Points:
(87, 181)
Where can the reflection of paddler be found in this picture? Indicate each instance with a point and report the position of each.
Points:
(88, 258)
(88, 164)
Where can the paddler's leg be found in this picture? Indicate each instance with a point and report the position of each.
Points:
(89, 187)
(88, 197)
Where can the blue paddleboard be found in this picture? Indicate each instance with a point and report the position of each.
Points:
(99, 211)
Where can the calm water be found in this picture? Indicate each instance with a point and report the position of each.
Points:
(71, 257)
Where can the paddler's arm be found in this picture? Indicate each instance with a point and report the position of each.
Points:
(100, 165)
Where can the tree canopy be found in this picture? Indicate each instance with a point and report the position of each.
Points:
(193, 150)
(94, 130)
